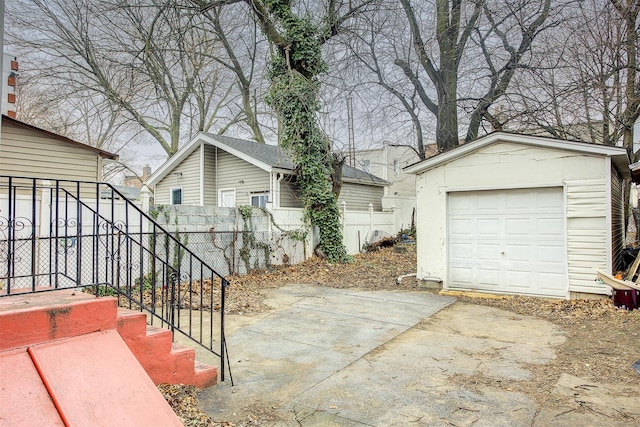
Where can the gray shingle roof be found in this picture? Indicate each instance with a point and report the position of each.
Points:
(276, 157)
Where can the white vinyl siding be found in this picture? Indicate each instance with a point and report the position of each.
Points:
(27, 152)
(242, 176)
(209, 173)
(290, 193)
(586, 232)
(358, 197)
(185, 175)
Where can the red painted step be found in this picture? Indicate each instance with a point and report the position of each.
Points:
(94, 380)
(164, 361)
(30, 319)
(34, 318)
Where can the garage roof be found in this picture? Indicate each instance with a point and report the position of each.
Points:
(618, 155)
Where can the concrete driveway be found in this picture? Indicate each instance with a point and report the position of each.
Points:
(341, 357)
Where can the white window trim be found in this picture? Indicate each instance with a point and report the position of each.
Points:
(171, 194)
(224, 190)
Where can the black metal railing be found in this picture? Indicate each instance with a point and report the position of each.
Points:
(58, 234)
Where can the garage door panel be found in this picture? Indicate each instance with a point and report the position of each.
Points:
(508, 241)
(488, 251)
(462, 228)
(519, 252)
(461, 275)
(549, 200)
(518, 227)
(463, 252)
(486, 203)
(517, 202)
(489, 277)
(518, 280)
(488, 227)
(551, 254)
(547, 282)
(461, 205)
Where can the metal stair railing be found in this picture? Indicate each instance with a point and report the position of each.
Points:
(58, 234)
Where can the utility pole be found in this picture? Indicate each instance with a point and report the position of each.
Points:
(352, 147)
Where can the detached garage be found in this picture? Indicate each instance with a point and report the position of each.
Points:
(519, 214)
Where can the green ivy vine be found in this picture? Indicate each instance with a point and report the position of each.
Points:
(293, 94)
(249, 240)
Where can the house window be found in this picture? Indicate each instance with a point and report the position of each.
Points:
(396, 167)
(176, 196)
(259, 200)
(227, 198)
(366, 166)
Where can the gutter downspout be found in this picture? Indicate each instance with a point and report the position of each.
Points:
(276, 193)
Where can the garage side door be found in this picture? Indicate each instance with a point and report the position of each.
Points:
(508, 241)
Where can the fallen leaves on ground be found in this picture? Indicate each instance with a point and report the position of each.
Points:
(183, 401)
(602, 340)
(368, 271)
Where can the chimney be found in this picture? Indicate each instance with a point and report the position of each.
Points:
(146, 172)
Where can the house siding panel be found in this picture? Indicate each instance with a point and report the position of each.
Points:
(209, 173)
(586, 232)
(381, 164)
(185, 175)
(245, 178)
(358, 196)
(290, 194)
(26, 152)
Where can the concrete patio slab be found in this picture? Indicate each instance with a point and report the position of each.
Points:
(314, 334)
(336, 357)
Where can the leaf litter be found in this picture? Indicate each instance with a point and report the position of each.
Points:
(602, 340)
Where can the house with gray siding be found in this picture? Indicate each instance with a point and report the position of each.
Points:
(215, 170)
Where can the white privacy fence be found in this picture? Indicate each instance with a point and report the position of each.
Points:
(358, 227)
(43, 232)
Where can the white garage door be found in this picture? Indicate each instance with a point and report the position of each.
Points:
(509, 241)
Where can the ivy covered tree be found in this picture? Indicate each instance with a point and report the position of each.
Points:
(297, 35)
(295, 66)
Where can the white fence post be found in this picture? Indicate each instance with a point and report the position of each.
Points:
(395, 218)
(145, 202)
(344, 215)
(45, 208)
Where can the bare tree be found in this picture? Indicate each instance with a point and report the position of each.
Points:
(151, 60)
(369, 67)
(591, 88)
(458, 59)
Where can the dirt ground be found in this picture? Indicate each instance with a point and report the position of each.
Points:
(602, 341)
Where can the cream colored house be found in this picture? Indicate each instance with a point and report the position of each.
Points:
(519, 214)
(28, 151)
(388, 162)
(215, 170)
